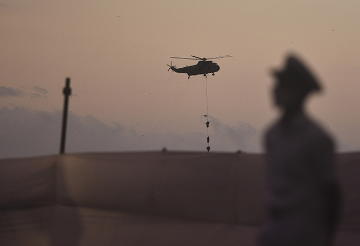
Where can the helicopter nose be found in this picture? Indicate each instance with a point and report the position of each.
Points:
(217, 67)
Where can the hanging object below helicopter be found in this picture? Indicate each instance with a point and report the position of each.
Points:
(204, 66)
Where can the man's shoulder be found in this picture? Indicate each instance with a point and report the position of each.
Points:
(316, 136)
(272, 129)
(303, 127)
(316, 130)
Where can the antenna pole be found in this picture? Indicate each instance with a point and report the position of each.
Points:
(67, 93)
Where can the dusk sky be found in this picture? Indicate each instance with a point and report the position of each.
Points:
(123, 97)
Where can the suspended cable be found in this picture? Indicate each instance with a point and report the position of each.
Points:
(207, 117)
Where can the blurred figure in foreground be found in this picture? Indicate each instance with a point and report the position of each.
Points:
(303, 198)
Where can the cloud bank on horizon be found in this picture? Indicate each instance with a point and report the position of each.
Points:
(27, 132)
(10, 92)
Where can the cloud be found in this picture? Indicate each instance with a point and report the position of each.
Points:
(38, 92)
(242, 136)
(10, 92)
(26, 132)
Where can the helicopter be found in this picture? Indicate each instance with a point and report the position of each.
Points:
(204, 66)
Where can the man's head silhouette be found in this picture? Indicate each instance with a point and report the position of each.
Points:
(293, 83)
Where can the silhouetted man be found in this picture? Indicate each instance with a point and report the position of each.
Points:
(302, 196)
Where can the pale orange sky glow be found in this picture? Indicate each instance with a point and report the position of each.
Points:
(115, 53)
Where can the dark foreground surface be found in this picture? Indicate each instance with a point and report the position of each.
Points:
(148, 198)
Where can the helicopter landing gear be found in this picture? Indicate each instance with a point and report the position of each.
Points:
(213, 74)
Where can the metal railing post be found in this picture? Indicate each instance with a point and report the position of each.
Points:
(67, 93)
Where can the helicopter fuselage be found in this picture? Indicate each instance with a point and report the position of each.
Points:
(202, 67)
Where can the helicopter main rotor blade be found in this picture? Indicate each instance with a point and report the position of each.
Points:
(183, 58)
(199, 58)
(219, 57)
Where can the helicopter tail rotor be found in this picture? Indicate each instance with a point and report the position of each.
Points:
(171, 66)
